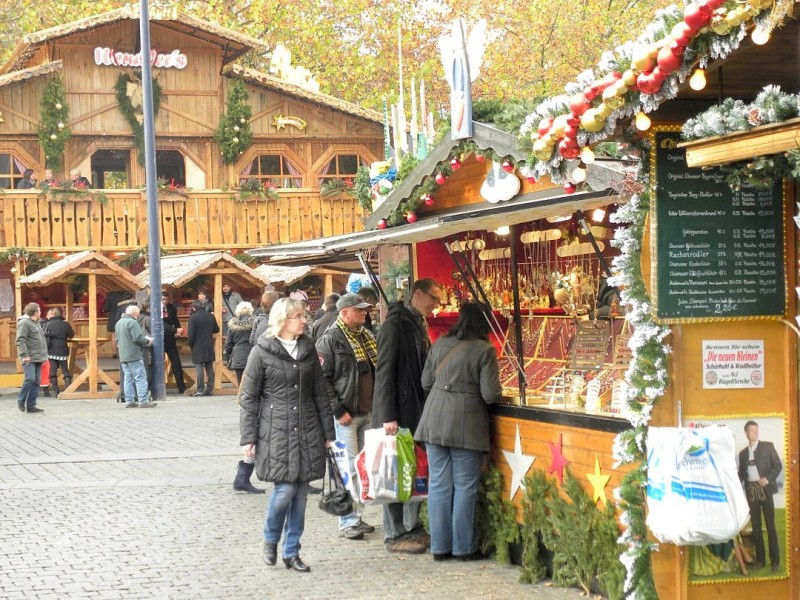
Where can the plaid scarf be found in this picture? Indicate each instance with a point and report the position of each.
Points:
(361, 341)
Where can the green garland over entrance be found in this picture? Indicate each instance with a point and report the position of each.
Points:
(128, 110)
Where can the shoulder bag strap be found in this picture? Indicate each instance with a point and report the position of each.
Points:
(448, 356)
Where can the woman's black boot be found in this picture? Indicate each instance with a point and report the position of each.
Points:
(270, 553)
(242, 481)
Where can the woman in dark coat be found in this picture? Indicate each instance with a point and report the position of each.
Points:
(237, 342)
(461, 377)
(202, 327)
(58, 332)
(286, 423)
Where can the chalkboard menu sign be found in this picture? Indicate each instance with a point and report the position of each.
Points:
(719, 253)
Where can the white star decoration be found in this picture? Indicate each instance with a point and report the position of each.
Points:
(520, 464)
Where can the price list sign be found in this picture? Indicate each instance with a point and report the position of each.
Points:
(719, 252)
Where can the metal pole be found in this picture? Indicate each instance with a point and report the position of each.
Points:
(376, 282)
(590, 235)
(513, 237)
(153, 233)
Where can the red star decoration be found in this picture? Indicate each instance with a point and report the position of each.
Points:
(559, 462)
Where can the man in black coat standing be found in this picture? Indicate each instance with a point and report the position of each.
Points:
(759, 467)
(202, 327)
(172, 327)
(403, 345)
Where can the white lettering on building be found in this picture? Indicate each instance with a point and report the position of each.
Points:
(110, 57)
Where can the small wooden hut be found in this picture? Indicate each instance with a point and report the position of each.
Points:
(180, 269)
(100, 272)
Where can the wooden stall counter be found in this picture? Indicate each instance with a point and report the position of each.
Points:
(92, 374)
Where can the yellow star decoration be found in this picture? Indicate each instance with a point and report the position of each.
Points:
(598, 482)
(2, 120)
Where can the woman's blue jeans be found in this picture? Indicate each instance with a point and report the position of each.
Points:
(454, 475)
(286, 513)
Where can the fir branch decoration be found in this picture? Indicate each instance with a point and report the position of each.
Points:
(234, 133)
(363, 190)
(536, 487)
(53, 131)
(252, 187)
(132, 116)
(496, 527)
(335, 187)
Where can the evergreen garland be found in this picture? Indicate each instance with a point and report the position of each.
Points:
(234, 133)
(124, 101)
(363, 189)
(536, 487)
(495, 517)
(53, 131)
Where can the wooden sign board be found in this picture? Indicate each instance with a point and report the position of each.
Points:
(590, 347)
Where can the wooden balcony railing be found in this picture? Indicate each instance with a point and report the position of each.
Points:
(190, 221)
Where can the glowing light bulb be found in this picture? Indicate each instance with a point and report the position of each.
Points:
(760, 36)
(587, 155)
(503, 230)
(698, 80)
(642, 122)
(598, 214)
(579, 174)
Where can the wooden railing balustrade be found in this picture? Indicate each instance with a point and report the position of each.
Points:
(193, 220)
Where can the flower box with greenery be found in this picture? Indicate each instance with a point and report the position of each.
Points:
(169, 190)
(335, 187)
(252, 188)
(67, 191)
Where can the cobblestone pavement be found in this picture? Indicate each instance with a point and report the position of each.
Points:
(102, 502)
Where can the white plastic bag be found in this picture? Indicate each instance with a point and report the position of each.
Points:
(342, 458)
(694, 496)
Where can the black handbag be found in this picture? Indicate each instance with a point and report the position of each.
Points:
(335, 500)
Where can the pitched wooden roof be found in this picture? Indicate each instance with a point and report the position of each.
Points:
(108, 273)
(234, 44)
(264, 80)
(25, 74)
(179, 269)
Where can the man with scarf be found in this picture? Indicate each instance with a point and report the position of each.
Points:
(348, 354)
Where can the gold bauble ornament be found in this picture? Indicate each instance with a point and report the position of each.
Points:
(235, 140)
(53, 136)
(736, 17)
(236, 128)
(60, 125)
(559, 126)
(542, 151)
(59, 106)
(629, 77)
(760, 4)
(604, 110)
(591, 121)
(242, 120)
(721, 27)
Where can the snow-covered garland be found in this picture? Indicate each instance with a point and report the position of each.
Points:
(638, 77)
(770, 106)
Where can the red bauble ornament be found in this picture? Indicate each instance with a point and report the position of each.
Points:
(677, 49)
(428, 200)
(440, 179)
(531, 179)
(571, 132)
(507, 166)
(455, 164)
(683, 33)
(569, 187)
(668, 61)
(382, 224)
(713, 5)
(647, 84)
(480, 158)
(573, 121)
(568, 148)
(545, 125)
(411, 217)
(579, 105)
(697, 16)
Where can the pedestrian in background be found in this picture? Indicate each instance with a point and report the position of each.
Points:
(132, 341)
(348, 354)
(262, 314)
(230, 300)
(172, 328)
(205, 301)
(58, 334)
(32, 352)
(285, 424)
(202, 327)
(403, 345)
(462, 378)
(327, 318)
(145, 321)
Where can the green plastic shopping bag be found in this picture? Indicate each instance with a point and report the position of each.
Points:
(406, 464)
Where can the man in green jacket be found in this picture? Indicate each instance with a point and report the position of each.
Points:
(131, 340)
(32, 352)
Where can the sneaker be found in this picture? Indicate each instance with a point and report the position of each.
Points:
(351, 533)
(405, 547)
(148, 405)
(364, 527)
(131, 405)
(35, 410)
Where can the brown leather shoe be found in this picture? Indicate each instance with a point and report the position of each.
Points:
(406, 546)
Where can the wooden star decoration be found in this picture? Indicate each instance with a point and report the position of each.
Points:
(520, 464)
(598, 481)
(559, 462)
(2, 120)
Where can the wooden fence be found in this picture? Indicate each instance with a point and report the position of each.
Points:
(195, 220)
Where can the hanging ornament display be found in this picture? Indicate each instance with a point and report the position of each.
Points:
(455, 163)
(382, 224)
(411, 217)
(428, 200)
(569, 187)
(508, 166)
(480, 158)
(54, 113)
(440, 179)
(233, 139)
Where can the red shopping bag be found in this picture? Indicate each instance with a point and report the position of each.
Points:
(363, 476)
(44, 374)
(421, 478)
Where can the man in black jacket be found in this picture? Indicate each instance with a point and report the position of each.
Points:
(759, 467)
(202, 327)
(403, 345)
(327, 318)
(172, 326)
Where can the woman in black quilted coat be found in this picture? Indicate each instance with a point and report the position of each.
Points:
(286, 423)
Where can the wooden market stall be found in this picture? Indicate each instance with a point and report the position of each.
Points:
(99, 272)
(216, 268)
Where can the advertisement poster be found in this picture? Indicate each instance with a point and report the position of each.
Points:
(729, 364)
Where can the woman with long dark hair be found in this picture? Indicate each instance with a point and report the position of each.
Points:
(462, 378)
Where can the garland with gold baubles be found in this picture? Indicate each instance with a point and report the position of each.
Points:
(234, 133)
(53, 130)
(132, 115)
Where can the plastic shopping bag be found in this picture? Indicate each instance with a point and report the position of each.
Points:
(421, 478)
(342, 458)
(406, 464)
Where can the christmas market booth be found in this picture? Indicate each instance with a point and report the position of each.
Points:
(479, 223)
(98, 272)
(183, 274)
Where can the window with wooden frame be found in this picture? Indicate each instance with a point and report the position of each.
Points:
(275, 170)
(10, 171)
(341, 166)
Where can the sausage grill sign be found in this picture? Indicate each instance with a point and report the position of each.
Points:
(731, 364)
